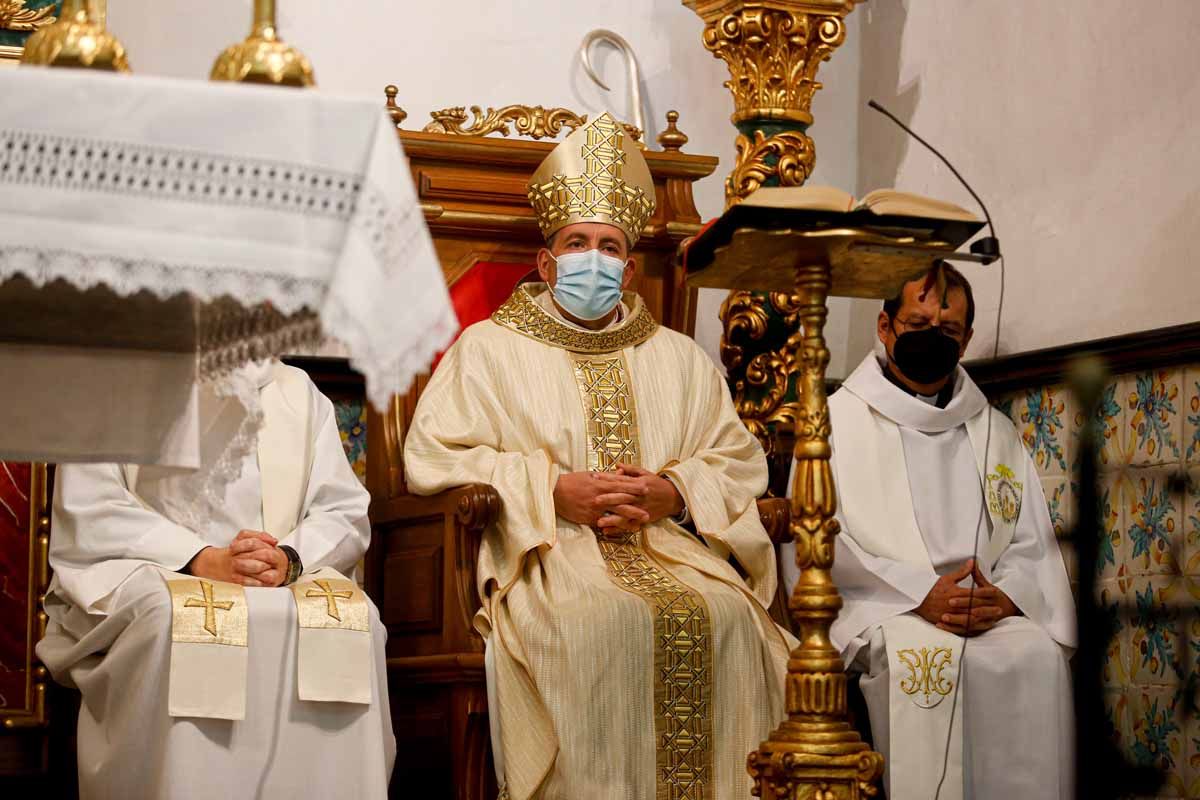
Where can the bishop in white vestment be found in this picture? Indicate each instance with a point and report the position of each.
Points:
(201, 680)
(935, 490)
(625, 585)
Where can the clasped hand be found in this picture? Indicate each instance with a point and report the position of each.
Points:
(251, 559)
(618, 501)
(946, 604)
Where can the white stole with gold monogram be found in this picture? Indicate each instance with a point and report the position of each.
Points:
(924, 718)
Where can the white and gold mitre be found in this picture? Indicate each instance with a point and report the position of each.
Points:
(597, 174)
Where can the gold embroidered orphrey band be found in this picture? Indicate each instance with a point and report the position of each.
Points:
(521, 314)
(682, 629)
(331, 602)
(208, 612)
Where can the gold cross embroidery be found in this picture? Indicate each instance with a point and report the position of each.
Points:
(330, 597)
(209, 605)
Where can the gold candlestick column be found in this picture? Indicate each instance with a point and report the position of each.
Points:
(77, 38)
(774, 49)
(263, 57)
(815, 753)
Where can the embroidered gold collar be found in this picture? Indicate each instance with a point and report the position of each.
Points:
(521, 314)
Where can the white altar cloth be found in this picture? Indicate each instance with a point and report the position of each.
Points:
(292, 198)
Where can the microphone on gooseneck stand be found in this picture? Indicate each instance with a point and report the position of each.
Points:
(988, 247)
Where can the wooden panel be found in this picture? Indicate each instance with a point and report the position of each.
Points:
(469, 187)
(1152, 349)
(421, 719)
(412, 589)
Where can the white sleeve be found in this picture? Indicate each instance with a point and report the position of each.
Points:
(334, 530)
(101, 532)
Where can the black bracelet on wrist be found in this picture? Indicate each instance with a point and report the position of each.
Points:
(295, 567)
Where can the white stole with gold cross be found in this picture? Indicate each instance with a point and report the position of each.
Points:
(333, 646)
(209, 618)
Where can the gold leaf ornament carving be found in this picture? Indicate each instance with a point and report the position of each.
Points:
(536, 122)
(14, 16)
(773, 56)
(788, 157)
(76, 39)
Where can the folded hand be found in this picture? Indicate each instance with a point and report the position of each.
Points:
(614, 502)
(252, 559)
(965, 612)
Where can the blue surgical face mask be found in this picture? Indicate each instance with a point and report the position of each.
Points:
(589, 284)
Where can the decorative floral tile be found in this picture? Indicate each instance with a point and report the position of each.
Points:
(1157, 735)
(1059, 504)
(351, 418)
(1153, 419)
(1043, 417)
(1112, 597)
(1153, 522)
(1192, 734)
(1191, 523)
(1191, 415)
(1111, 556)
(1116, 710)
(1110, 416)
(1157, 632)
(1006, 405)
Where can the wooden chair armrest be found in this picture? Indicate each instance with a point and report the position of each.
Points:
(776, 516)
(478, 505)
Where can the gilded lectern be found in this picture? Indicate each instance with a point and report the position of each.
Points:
(815, 753)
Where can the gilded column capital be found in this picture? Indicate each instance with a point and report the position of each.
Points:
(773, 49)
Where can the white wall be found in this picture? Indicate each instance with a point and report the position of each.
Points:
(1079, 124)
(464, 52)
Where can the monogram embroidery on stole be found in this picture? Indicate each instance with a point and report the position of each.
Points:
(682, 629)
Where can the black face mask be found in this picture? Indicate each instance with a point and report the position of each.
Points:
(925, 356)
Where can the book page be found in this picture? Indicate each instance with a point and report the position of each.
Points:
(813, 198)
(891, 201)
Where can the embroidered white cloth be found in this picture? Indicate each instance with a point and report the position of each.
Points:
(297, 199)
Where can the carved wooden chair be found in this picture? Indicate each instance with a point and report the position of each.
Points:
(421, 566)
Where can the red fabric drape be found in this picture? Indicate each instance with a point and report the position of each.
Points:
(482, 289)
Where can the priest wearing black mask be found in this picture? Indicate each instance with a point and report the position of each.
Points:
(946, 538)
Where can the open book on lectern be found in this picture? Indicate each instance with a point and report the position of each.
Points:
(884, 211)
(881, 202)
(872, 242)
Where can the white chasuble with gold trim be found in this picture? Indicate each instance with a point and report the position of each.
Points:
(634, 666)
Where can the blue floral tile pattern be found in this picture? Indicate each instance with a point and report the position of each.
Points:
(1110, 419)
(1042, 428)
(1152, 517)
(1148, 560)
(1157, 738)
(1156, 634)
(1191, 524)
(1192, 411)
(352, 427)
(1059, 505)
(1153, 417)
(1110, 519)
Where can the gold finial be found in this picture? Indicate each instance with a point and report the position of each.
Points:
(75, 40)
(263, 57)
(672, 139)
(397, 113)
